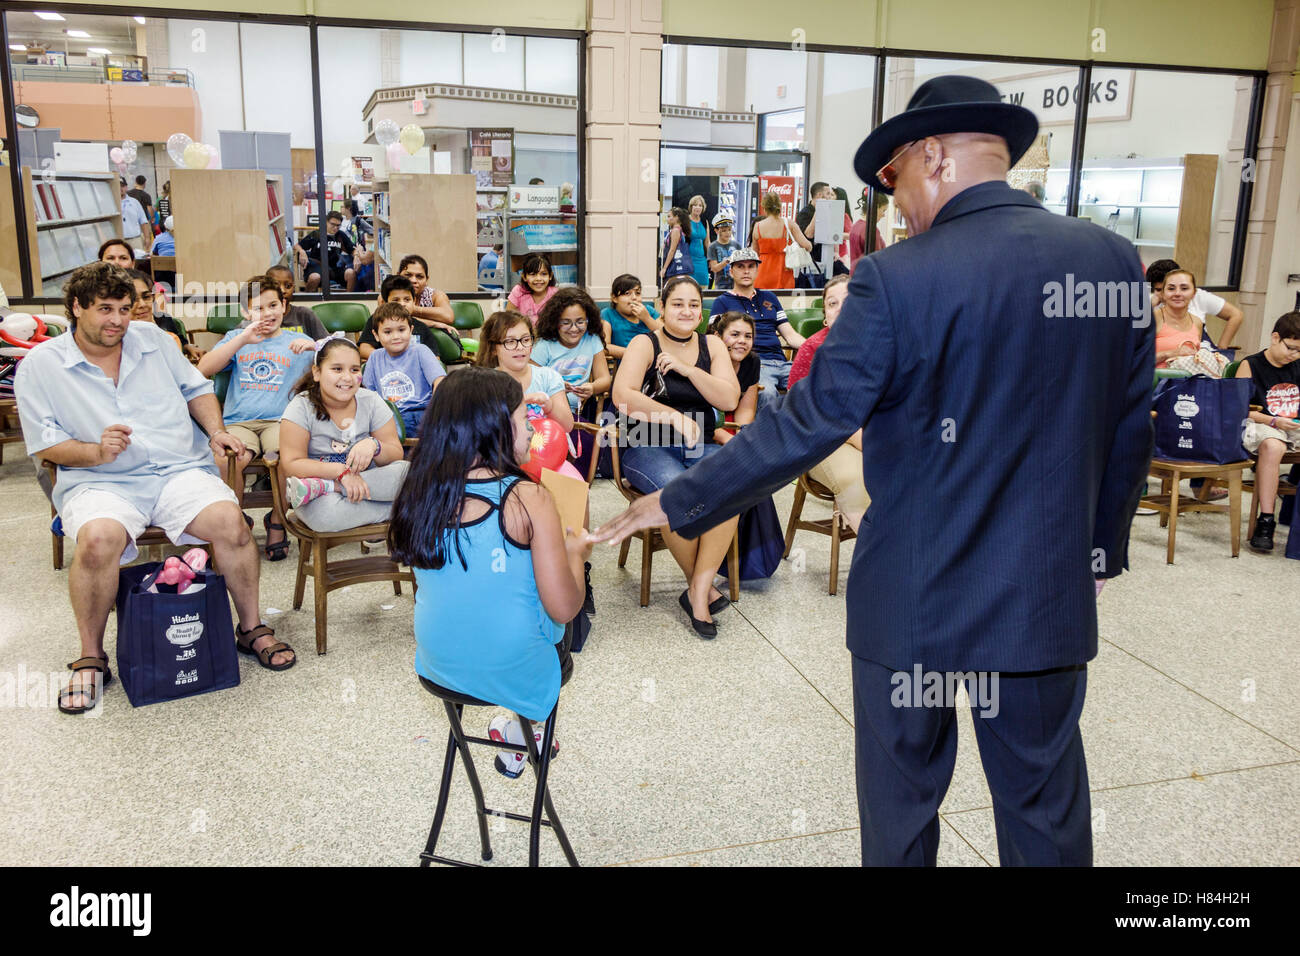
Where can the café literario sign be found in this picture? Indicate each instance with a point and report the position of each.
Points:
(1052, 95)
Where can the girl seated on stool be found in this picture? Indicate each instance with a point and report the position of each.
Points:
(670, 382)
(495, 570)
(339, 445)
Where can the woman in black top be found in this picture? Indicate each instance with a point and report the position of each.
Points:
(667, 387)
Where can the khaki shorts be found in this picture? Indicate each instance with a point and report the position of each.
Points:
(259, 437)
(1255, 433)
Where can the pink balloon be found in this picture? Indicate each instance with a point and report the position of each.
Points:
(394, 153)
(116, 155)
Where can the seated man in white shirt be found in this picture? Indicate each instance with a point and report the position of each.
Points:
(111, 403)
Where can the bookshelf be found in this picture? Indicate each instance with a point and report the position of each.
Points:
(554, 235)
(1163, 206)
(432, 214)
(68, 216)
(239, 227)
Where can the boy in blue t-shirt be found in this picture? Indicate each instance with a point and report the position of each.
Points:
(720, 251)
(402, 371)
(266, 362)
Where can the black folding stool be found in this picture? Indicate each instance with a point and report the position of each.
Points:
(455, 702)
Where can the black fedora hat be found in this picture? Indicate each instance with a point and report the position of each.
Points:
(947, 104)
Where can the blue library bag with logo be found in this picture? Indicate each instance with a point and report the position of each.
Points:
(173, 645)
(1201, 419)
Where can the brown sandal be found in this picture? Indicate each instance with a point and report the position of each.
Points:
(91, 691)
(265, 654)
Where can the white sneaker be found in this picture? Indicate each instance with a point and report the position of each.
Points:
(507, 730)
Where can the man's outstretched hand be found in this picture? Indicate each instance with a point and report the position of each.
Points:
(644, 513)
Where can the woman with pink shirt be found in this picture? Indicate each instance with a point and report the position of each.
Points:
(535, 288)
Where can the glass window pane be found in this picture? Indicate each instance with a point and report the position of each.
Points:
(441, 190)
(733, 114)
(1170, 186)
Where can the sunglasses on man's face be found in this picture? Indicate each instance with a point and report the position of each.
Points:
(888, 173)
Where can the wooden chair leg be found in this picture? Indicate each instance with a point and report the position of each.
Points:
(318, 559)
(795, 512)
(733, 566)
(56, 544)
(622, 552)
(1164, 490)
(397, 587)
(1234, 509)
(1174, 495)
(300, 585)
(835, 553)
(647, 552)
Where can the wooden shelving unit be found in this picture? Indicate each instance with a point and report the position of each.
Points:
(1164, 206)
(560, 246)
(230, 224)
(68, 216)
(433, 215)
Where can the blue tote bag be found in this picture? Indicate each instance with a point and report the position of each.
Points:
(1201, 419)
(173, 645)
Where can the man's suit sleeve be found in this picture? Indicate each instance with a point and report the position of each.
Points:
(1128, 461)
(850, 374)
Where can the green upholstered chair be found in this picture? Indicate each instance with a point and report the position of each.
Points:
(223, 318)
(350, 317)
(468, 315)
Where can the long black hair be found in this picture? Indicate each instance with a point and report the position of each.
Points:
(468, 425)
(683, 221)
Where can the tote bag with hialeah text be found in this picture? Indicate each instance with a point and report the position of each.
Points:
(1201, 419)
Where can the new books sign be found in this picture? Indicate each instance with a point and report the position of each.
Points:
(1052, 96)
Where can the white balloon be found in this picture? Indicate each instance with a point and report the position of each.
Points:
(176, 145)
(386, 132)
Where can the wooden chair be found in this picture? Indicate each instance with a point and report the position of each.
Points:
(836, 526)
(153, 537)
(11, 429)
(1171, 502)
(327, 575)
(652, 539)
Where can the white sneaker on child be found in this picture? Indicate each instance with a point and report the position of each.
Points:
(507, 730)
(303, 490)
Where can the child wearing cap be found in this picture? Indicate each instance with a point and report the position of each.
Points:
(720, 251)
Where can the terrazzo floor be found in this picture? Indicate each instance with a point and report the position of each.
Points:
(674, 751)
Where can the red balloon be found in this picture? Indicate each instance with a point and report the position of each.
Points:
(548, 449)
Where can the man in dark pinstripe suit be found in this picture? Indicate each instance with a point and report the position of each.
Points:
(1006, 438)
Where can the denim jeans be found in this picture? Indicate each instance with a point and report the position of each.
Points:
(649, 468)
(772, 374)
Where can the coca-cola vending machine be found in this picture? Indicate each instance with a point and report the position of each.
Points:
(783, 186)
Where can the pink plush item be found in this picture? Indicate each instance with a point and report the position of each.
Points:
(175, 572)
(196, 558)
(568, 469)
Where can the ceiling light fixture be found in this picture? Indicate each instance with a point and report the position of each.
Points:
(139, 20)
(99, 51)
(49, 16)
(18, 48)
(79, 34)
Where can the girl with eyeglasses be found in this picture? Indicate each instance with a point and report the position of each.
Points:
(571, 340)
(506, 342)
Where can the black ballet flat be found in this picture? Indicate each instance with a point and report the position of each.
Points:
(705, 629)
(721, 604)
